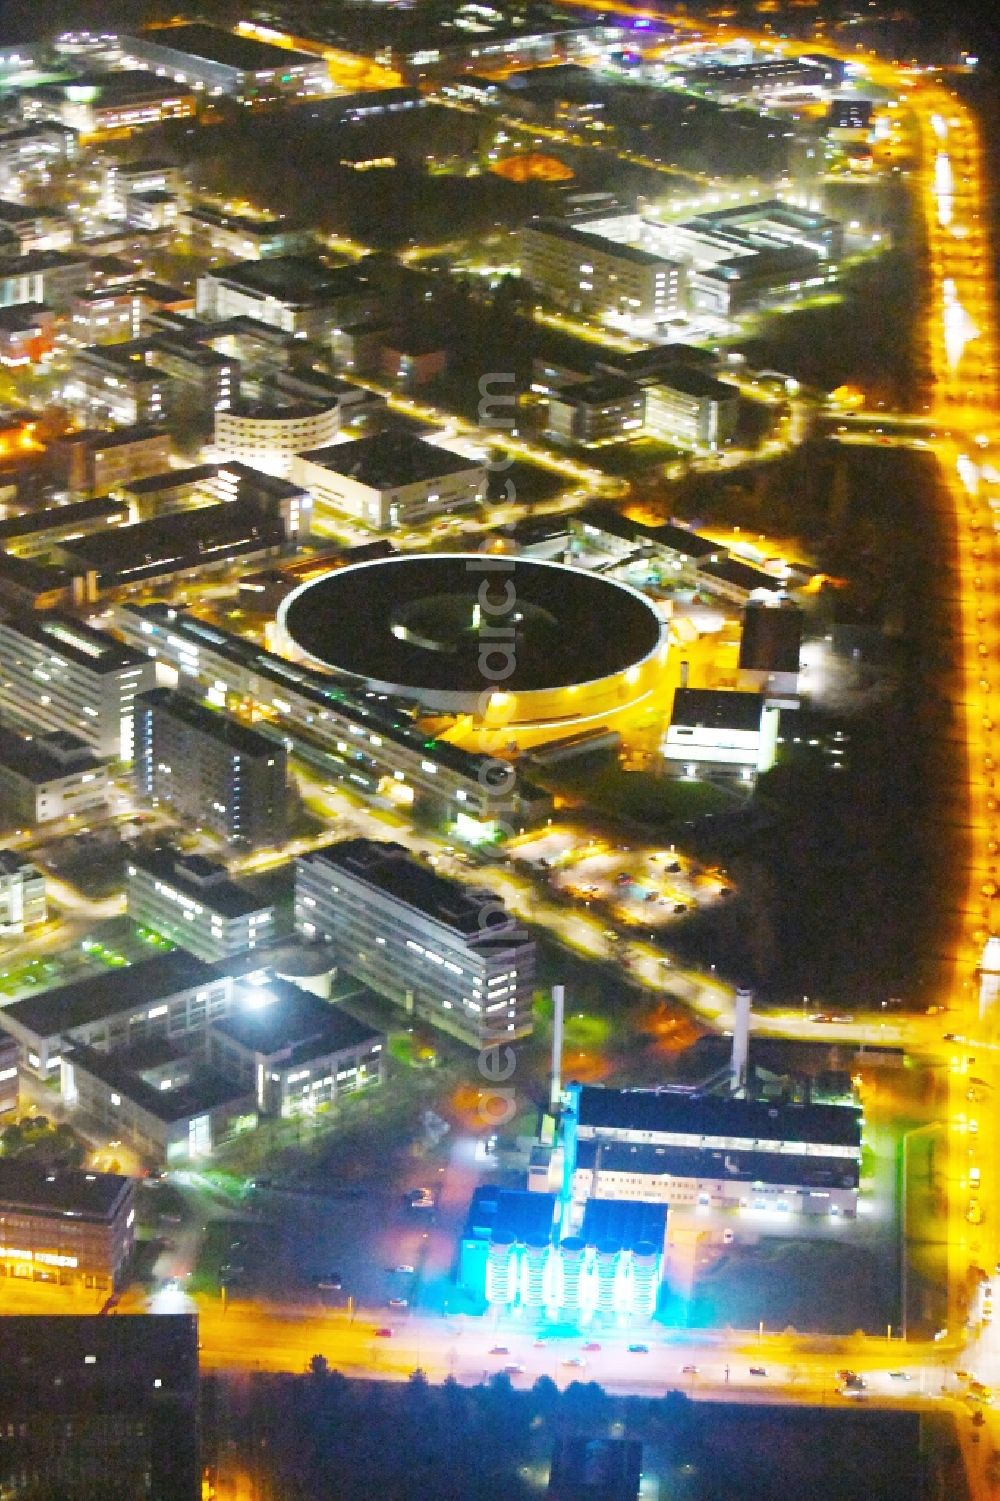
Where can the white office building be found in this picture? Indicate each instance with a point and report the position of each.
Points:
(448, 956)
(22, 894)
(390, 480)
(589, 274)
(59, 674)
(720, 735)
(268, 434)
(195, 903)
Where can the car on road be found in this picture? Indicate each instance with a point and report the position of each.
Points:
(404, 1268)
(499, 1350)
(900, 1376)
(689, 1370)
(383, 1333)
(757, 1370)
(592, 1345)
(638, 1349)
(399, 1303)
(330, 1282)
(513, 1369)
(574, 1360)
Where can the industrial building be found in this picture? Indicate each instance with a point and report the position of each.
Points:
(720, 735)
(515, 1256)
(357, 738)
(48, 777)
(195, 903)
(91, 1405)
(213, 771)
(217, 61)
(770, 644)
(56, 673)
(391, 480)
(449, 956)
(587, 273)
(22, 896)
(710, 1151)
(64, 1225)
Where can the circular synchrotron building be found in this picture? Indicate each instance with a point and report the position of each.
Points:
(508, 641)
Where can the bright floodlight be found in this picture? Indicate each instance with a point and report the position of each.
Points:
(257, 998)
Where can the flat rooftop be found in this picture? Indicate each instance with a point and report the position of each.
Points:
(61, 635)
(205, 1090)
(108, 993)
(717, 709)
(559, 229)
(388, 459)
(668, 1113)
(693, 383)
(599, 391)
(129, 1353)
(667, 534)
(302, 279)
(56, 518)
(205, 721)
(294, 1022)
(45, 758)
(171, 479)
(214, 44)
(392, 870)
(202, 880)
(65, 1191)
(169, 544)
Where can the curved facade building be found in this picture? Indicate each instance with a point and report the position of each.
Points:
(511, 642)
(267, 435)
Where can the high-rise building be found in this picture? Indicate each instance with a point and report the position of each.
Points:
(213, 771)
(58, 674)
(450, 956)
(100, 1407)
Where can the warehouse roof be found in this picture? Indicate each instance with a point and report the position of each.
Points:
(660, 1111)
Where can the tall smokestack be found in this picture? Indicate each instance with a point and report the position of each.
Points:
(741, 1039)
(558, 1009)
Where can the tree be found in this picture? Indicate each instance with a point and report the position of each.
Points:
(319, 1367)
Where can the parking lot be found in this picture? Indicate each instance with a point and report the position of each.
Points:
(350, 1248)
(638, 887)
